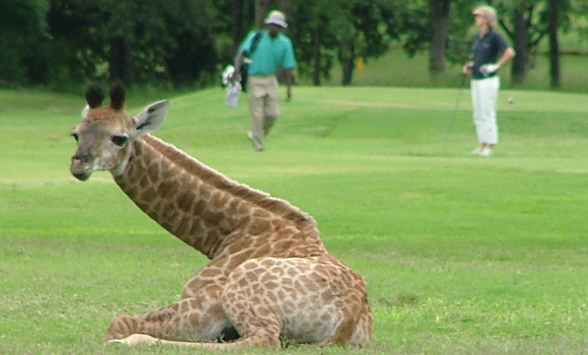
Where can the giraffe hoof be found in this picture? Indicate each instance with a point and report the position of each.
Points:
(134, 340)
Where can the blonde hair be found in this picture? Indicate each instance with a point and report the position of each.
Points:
(489, 14)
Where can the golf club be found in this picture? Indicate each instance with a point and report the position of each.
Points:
(450, 127)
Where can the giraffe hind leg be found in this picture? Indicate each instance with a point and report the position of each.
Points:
(259, 334)
(187, 319)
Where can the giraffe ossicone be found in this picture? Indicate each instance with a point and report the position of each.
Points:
(269, 276)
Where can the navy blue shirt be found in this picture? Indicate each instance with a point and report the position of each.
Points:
(486, 50)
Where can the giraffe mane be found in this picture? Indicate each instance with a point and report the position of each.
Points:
(221, 182)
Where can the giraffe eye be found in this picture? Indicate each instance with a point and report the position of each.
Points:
(76, 136)
(120, 140)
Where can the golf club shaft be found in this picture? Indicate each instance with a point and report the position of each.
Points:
(455, 107)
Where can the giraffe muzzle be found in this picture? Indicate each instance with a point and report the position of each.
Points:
(80, 170)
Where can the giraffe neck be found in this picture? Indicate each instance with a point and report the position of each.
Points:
(198, 204)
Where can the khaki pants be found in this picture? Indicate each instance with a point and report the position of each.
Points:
(263, 107)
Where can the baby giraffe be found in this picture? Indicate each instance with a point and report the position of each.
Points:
(269, 279)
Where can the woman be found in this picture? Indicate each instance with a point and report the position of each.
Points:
(487, 46)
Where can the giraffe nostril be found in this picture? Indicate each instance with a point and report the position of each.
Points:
(82, 158)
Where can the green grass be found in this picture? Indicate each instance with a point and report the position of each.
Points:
(462, 255)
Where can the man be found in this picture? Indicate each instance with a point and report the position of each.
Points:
(268, 50)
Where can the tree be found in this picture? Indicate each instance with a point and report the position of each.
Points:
(313, 39)
(23, 30)
(76, 48)
(136, 41)
(196, 44)
(526, 27)
(439, 24)
(553, 43)
(345, 29)
(64, 42)
(237, 24)
(262, 7)
(521, 36)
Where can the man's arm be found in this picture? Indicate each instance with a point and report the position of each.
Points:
(238, 63)
(288, 81)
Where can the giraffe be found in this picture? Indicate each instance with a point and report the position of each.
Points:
(269, 279)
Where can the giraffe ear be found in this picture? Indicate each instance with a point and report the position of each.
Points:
(152, 116)
(85, 111)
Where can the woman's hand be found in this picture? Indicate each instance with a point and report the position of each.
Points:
(467, 68)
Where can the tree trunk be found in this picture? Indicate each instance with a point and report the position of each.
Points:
(119, 64)
(262, 7)
(286, 7)
(347, 62)
(316, 57)
(521, 44)
(553, 44)
(238, 30)
(438, 22)
(347, 71)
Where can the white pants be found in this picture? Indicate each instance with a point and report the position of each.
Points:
(484, 96)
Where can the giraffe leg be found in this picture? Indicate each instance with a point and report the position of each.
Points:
(136, 339)
(305, 300)
(189, 319)
(258, 336)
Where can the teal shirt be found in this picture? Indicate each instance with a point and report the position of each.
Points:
(270, 53)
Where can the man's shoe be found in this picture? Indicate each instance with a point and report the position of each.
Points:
(252, 140)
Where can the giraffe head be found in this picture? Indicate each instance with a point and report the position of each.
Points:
(106, 132)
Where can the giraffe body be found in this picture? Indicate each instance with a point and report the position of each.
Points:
(270, 276)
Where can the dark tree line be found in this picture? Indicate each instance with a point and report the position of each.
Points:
(58, 43)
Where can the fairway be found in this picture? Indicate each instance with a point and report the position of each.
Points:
(462, 254)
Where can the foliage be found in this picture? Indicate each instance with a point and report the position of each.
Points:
(183, 48)
(168, 41)
(346, 30)
(77, 51)
(415, 26)
(313, 58)
(185, 43)
(22, 31)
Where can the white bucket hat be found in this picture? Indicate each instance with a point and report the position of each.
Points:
(276, 17)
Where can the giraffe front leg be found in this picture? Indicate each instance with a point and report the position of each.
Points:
(190, 319)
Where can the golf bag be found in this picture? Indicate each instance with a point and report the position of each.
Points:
(229, 69)
(246, 61)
